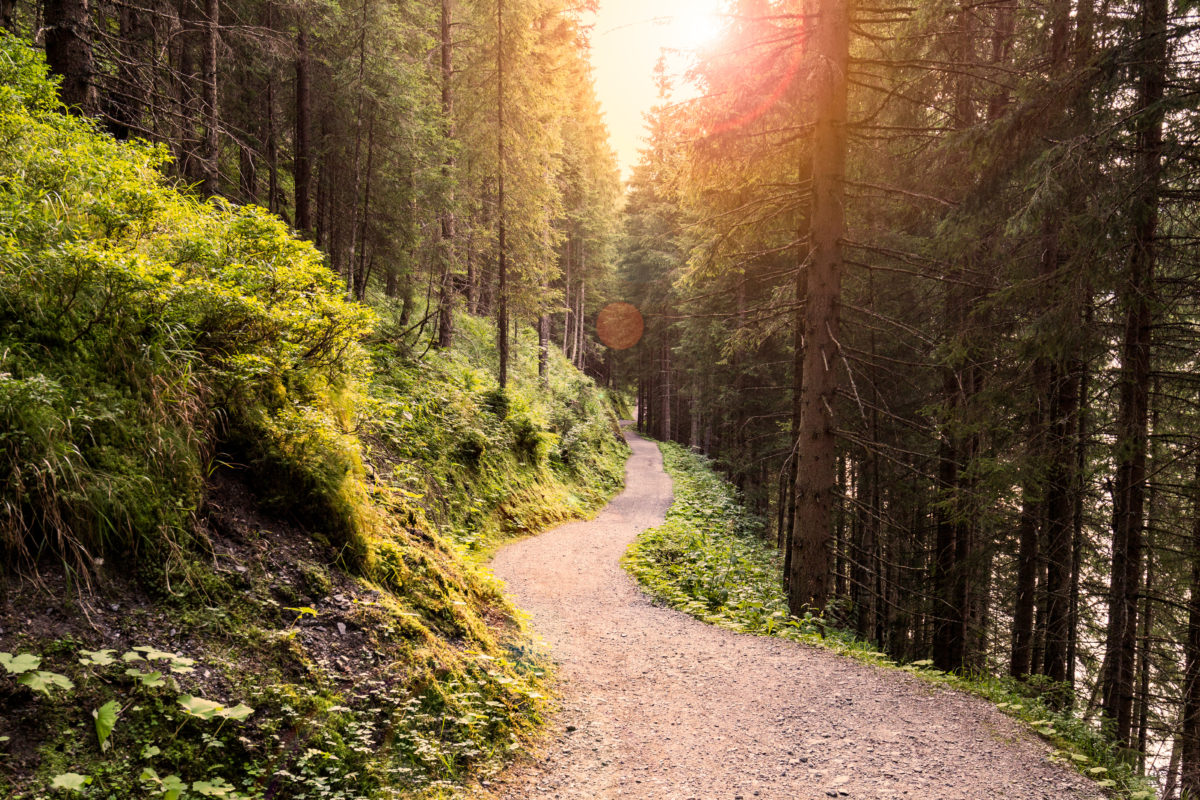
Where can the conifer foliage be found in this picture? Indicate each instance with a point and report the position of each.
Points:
(922, 280)
(418, 145)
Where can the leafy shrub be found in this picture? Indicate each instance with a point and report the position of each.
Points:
(531, 442)
(498, 402)
(132, 319)
(484, 463)
(471, 448)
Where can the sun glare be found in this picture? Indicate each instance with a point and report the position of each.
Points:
(692, 27)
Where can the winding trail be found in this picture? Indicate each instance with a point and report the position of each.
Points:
(658, 705)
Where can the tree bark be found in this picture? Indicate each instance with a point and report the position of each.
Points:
(1188, 743)
(69, 52)
(1059, 520)
(447, 293)
(1135, 298)
(544, 350)
(817, 451)
(567, 297)
(302, 165)
(361, 276)
(212, 126)
(1027, 561)
(502, 243)
(665, 371)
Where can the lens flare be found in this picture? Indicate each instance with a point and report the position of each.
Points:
(620, 325)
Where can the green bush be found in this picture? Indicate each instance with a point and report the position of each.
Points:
(133, 319)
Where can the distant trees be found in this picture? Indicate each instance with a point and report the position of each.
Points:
(1010, 384)
(372, 128)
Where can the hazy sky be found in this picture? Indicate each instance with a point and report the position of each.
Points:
(626, 41)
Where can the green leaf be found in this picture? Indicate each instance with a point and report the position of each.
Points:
(97, 658)
(172, 787)
(150, 751)
(181, 664)
(106, 718)
(16, 665)
(199, 707)
(71, 781)
(238, 712)
(42, 681)
(150, 679)
(154, 654)
(217, 787)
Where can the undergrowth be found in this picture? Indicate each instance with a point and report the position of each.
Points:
(204, 465)
(710, 560)
(487, 464)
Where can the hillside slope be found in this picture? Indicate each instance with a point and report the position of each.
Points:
(234, 506)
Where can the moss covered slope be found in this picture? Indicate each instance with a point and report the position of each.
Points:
(234, 533)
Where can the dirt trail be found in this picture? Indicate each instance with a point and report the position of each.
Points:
(658, 705)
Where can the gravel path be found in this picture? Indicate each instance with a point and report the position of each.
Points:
(658, 705)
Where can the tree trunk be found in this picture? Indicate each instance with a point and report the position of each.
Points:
(502, 244)
(1027, 562)
(69, 52)
(544, 350)
(1060, 509)
(212, 126)
(665, 419)
(1143, 693)
(1189, 737)
(360, 271)
(303, 155)
(580, 311)
(353, 277)
(1081, 453)
(446, 245)
(1135, 298)
(127, 102)
(567, 337)
(817, 451)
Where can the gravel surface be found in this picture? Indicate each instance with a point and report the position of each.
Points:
(658, 705)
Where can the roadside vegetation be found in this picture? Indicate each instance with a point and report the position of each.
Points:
(235, 506)
(710, 560)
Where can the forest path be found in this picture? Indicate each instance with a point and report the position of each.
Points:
(659, 705)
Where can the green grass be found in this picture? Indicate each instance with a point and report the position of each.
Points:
(485, 465)
(709, 559)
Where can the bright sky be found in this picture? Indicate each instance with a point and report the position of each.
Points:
(626, 41)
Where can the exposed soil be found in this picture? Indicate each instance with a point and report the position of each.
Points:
(274, 565)
(658, 705)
